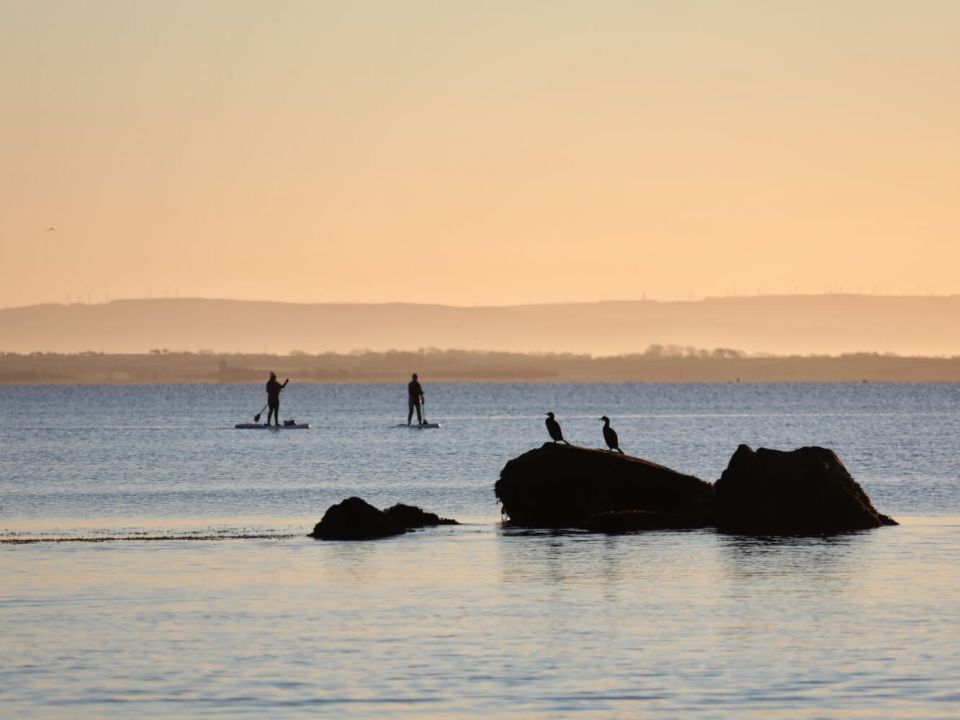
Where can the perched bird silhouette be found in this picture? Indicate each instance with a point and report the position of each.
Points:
(553, 427)
(610, 435)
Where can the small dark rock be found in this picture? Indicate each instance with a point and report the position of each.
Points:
(804, 491)
(355, 519)
(411, 517)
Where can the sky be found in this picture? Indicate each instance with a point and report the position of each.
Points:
(477, 153)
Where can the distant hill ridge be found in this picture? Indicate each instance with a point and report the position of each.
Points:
(797, 324)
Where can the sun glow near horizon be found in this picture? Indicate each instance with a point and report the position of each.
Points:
(478, 154)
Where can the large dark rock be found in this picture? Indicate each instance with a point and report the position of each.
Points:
(804, 491)
(355, 519)
(411, 517)
(563, 485)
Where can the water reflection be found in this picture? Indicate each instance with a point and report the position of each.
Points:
(798, 568)
(558, 557)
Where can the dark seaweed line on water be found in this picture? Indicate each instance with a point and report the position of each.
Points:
(147, 538)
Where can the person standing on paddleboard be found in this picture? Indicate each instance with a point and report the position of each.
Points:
(273, 398)
(414, 400)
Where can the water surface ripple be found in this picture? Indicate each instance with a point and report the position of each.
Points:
(107, 610)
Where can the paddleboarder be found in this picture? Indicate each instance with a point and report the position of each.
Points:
(273, 398)
(414, 400)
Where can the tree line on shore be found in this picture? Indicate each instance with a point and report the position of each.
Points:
(660, 363)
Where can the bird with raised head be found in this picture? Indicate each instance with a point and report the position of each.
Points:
(553, 427)
(610, 436)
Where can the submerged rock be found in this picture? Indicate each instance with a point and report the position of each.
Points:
(624, 521)
(356, 519)
(411, 517)
(558, 486)
(803, 491)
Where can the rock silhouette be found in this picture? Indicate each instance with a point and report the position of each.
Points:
(558, 486)
(356, 519)
(804, 491)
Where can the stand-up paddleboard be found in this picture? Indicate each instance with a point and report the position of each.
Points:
(285, 426)
(422, 426)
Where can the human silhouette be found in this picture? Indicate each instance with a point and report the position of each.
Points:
(273, 398)
(610, 436)
(415, 399)
(553, 427)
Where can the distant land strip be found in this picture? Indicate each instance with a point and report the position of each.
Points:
(658, 364)
(778, 325)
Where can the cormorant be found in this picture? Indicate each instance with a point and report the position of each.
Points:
(610, 435)
(553, 427)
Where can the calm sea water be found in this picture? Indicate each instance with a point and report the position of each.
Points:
(207, 599)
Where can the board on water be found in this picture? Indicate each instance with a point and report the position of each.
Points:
(421, 426)
(258, 426)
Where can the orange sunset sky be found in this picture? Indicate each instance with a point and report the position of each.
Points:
(477, 152)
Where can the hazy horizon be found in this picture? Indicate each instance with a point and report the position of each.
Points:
(83, 300)
(779, 325)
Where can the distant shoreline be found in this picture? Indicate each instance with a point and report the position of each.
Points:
(772, 325)
(691, 366)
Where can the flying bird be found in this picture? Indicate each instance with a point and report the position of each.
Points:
(610, 436)
(553, 427)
